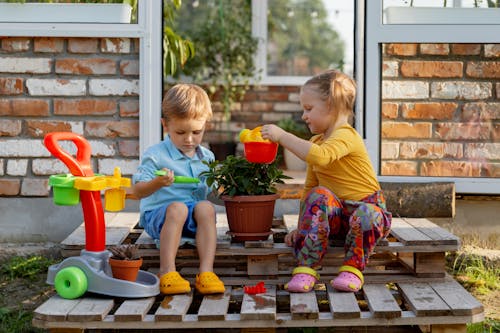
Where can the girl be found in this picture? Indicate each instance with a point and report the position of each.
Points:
(342, 197)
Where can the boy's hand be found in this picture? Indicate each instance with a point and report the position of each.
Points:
(291, 237)
(165, 177)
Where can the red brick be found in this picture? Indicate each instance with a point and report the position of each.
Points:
(33, 187)
(11, 86)
(490, 69)
(129, 108)
(395, 130)
(431, 69)
(466, 49)
(441, 111)
(409, 49)
(16, 44)
(112, 129)
(10, 127)
(92, 66)
(480, 111)
(450, 169)
(38, 128)
(48, 44)
(128, 148)
(84, 107)
(398, 168)
(10, 187)
(390, 110)
(83, 45)
(434, 49)
(463, 131)
(129, 67)
(30, 107)
(491, 170)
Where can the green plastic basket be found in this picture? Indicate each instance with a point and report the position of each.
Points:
(64, 192)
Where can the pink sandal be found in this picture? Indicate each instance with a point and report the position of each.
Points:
(349, 279)
(303, 280)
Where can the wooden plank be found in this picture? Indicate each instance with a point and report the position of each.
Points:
(433, 231)
(461, 302)
(262, 265)
(214, 307)
(449, 328)
(259, 306)
(304, 305)
(91, 309)
(423, 300)
(173, 307)
(146, 241)
(407, 234)
(343, 305)
(134, 310)
(55, 308)
(381, 302)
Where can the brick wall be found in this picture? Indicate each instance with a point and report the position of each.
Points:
(441, 110)
(88, 86)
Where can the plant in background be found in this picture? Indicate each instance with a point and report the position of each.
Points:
(225, 49)
(236, 176)
(296, 127)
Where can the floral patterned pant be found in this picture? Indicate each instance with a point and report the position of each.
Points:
(360, 223)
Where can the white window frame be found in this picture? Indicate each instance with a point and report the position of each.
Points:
(376, 34)
(149, 31)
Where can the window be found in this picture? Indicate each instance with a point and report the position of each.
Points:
(299, 38)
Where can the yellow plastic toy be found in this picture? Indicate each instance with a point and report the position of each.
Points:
(254, 135)
(114, 196)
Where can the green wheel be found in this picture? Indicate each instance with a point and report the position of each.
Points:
(70, 282)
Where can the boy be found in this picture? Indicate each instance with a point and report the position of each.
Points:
(169, 210)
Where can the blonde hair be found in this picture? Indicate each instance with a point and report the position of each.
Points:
(186, 101)
(337, 89)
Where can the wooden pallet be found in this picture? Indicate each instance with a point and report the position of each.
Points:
(406, 286)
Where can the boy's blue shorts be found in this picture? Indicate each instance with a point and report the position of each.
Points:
(154, 220)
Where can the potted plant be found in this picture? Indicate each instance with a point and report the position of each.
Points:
(224, 61)
(299, 129)
(249, 194)
(125, 261)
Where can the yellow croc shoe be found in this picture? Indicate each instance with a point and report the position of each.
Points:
(173, 283)
(209, 283)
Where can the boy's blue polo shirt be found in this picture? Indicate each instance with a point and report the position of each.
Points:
(166, 155)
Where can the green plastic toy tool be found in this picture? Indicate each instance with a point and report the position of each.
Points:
(179, 179)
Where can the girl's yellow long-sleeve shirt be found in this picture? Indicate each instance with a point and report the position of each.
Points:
(341, 163)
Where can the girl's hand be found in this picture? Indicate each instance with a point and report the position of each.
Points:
(291, 237)
(167, 179)
(272, 132)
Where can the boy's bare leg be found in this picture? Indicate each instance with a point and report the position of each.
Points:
(170, 235)
(206, 235)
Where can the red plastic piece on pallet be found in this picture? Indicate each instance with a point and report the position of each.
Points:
(257, 289)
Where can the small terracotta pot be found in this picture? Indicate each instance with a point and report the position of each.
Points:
(125, 269)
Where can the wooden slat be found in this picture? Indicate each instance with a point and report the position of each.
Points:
(173, 307)
(436, 233)
(134, 310)
(55, 308)
(262, 265)
(214, 307)
(90, 309)
(381, 302)
(304, 305)
(407, 234)
(460, 301)
(343, 305)
(423, 300)
(260, 306)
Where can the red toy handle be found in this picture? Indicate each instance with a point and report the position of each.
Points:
(79, 167)
(93, 213)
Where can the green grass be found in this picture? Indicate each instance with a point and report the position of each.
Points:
(16, 310)
(480, 276)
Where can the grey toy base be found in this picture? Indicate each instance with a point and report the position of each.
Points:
(100, 280)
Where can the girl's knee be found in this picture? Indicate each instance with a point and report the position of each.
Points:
(204, 207)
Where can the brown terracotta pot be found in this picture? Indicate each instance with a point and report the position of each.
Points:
(125, 269)
(250, 217)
